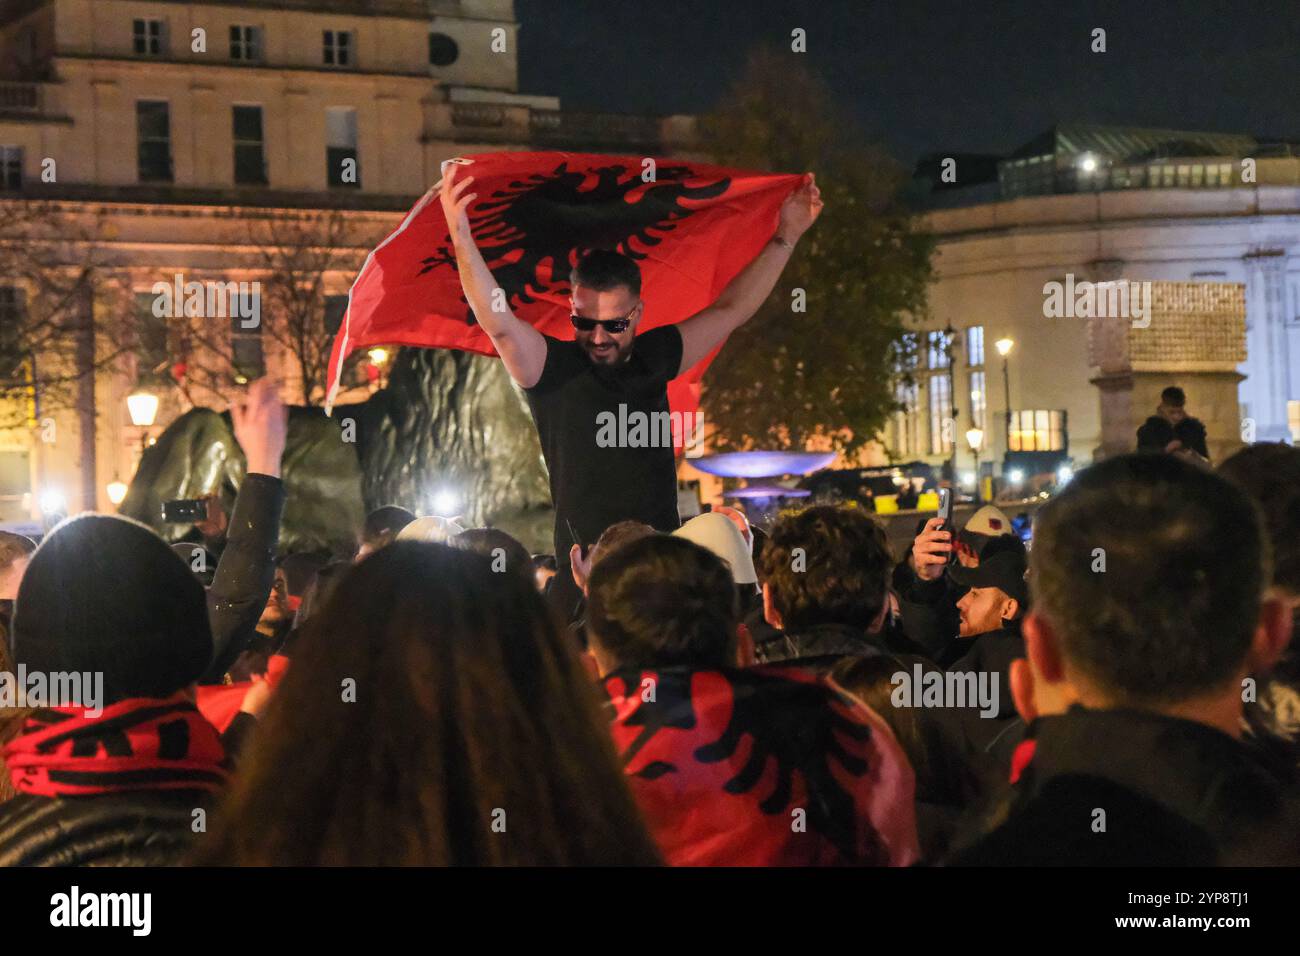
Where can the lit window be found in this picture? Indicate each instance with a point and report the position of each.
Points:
(937, 356)
(1038, 430)
(978, 399)
(975, 346)
(940, 413)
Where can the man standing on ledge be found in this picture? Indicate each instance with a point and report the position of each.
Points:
(609, 370)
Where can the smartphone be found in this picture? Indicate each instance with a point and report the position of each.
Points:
(185, 510)
(945, 515)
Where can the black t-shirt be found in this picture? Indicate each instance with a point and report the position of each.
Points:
(603, 432)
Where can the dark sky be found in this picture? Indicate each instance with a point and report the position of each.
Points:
(927, 75)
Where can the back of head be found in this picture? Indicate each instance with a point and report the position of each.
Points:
(1270, 474)
(429, 696)
(383, 524)
(1151, 570)
(661, 601)
(506, 554)
(617, 535)
(105, 594)
(1173, 396)
(604, 270)
(720, 534)
(431, 529)
(827, 565)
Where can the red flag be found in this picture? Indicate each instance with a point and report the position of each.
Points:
(690, 226)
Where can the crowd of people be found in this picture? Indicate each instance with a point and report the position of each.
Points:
(1122, 693)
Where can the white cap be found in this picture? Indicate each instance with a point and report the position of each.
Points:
(430, 528)
(990, 521)
(719, 534)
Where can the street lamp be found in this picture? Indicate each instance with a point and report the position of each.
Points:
(143, 408)
(975, 439)
(1004, 347)
(116, 491)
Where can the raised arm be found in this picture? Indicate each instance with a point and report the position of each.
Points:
(751, 287)
(521, 347)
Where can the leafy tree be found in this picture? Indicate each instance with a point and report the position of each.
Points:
(827, 375)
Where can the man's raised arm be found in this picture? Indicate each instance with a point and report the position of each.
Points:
(521, 347)
(751, 287)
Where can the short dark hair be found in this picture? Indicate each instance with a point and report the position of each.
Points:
(382, 525)
(14, 546)
(617, 535)
(605, 270)
(1269, 472)
(1174, 396)
(1185, 562)
(486, 541)
(660, 601)
(844, 572)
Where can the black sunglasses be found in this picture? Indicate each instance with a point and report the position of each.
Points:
(612, 326)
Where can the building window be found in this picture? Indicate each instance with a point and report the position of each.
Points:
(152, 354)
(336, 306)
(338, 48)
(937, 356)
(13, 319)
(940, 414)
(978, 399)
(147, 36)
(443, 50)
(11, 167)
(975, 346)
(1038, 430)
(1293, 421)
(341, 147)
(154, 141)
(250, 163)
(246, 354)
(246, 43)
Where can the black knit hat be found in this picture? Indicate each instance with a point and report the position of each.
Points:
(106, 594)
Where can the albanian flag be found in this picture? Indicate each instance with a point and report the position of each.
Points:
(690, 226)
(761, 766)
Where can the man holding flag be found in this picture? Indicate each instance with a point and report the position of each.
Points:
(608, 369)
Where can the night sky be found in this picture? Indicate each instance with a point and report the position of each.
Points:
(926, 76)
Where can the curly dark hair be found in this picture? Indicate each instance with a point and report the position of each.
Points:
(827, 565)
(661, 600)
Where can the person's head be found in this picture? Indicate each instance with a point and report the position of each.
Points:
(1155, 435)
(720, 534)
(606, 286)
(506, 554)
(1147, 575)
(435, 714)
(1270, 474)
(15, 551)
(104, 594)
(610, 540)
(661, 601)
(826, 565)
(382, 526)
(998, 593)
(1173, 404)
(431, 529)
(544, 568)
(293, 576)
(943, 775)
(986, 530)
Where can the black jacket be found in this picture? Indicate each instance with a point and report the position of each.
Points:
(820, 648)
(1174, 792)
(929, 610)
(149, 828)
(990, 653)
(245, 573)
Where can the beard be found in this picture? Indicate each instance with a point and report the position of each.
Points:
(614, 354)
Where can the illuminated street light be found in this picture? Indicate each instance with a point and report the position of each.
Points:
(143, 407)
(116, 492)
(445, 503)
(1004, 346)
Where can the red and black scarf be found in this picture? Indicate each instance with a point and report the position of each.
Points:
(138, 744)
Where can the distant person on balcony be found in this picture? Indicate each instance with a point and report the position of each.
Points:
(609, 368)
(1171, 429)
